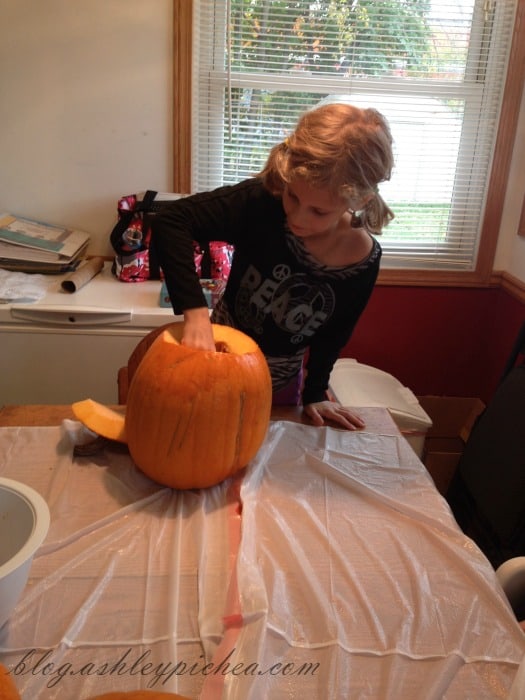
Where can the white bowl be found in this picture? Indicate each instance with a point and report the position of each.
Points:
(24, 522)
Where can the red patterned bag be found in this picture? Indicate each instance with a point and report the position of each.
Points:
(131, 237)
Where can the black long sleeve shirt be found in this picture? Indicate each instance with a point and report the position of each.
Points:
(276, 292)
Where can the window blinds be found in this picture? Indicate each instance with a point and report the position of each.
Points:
(435, 69)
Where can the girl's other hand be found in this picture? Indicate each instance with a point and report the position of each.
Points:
(331, 411)
(198, 332)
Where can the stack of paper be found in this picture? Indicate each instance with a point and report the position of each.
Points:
(32, 246)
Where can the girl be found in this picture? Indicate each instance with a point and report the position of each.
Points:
(304, 262)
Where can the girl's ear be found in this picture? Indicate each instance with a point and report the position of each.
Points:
(365, 200)
(359, 203)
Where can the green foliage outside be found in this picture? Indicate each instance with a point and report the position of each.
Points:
(364, 39)
(372, 37)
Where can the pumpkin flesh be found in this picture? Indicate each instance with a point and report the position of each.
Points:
(102, 420)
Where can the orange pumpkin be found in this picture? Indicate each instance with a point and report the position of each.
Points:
(8, 690)
(193, 417)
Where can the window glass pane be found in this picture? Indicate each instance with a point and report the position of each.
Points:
(403, 38)
(434, 68)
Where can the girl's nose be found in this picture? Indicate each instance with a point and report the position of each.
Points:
(299, 215)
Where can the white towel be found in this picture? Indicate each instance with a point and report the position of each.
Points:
(21, 287)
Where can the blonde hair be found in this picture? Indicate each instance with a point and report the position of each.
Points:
(340, 147)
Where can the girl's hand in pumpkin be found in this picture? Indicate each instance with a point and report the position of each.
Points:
(198, 332)
(332, 412)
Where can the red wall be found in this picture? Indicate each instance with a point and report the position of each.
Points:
(443, 341)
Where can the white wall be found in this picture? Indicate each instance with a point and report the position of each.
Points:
(85, 108)
(85, 115)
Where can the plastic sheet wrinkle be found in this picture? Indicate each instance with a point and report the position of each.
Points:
(332, 556)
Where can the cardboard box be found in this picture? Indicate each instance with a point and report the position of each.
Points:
(452, 421)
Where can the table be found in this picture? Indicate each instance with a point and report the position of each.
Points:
(329, 568)
(49, 414)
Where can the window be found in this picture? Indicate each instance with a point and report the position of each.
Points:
(436, 69)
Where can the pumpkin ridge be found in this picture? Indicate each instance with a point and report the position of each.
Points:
(180, 430)
(240, 426)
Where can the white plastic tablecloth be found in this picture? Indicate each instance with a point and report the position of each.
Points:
(330, 568)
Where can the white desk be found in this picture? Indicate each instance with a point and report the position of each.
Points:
(67, 347)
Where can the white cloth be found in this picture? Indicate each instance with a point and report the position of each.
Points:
(331, 568)
(21, 287)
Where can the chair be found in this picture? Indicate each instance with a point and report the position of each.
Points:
(125, 374)
(487, 494)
